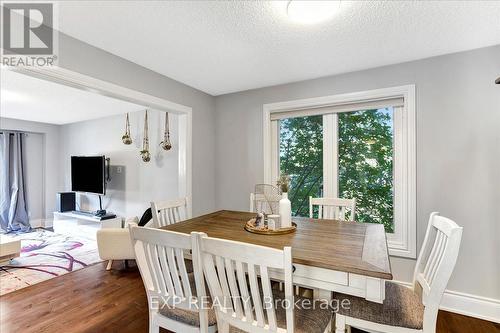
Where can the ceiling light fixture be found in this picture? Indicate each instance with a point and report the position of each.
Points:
(310, 12)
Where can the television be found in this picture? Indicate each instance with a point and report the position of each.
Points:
(87, 174)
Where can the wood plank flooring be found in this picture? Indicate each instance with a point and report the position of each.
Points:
(95, 300)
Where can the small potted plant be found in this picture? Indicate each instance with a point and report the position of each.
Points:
(285, 204)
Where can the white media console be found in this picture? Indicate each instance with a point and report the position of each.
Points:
(82, 225)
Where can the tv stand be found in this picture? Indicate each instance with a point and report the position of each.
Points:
(83, 224)
(99, 215)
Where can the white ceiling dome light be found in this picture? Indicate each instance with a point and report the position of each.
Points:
(310, 12)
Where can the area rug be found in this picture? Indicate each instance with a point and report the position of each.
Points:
(46, 255)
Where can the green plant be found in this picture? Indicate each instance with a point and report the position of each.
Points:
(283, 183)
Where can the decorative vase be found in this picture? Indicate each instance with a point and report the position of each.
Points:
(166, 144)
(126, 139)
(145, 154)
(285, 211)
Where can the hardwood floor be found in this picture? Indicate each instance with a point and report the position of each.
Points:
(95, 300)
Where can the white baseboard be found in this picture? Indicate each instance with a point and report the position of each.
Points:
(471, 305)
(468, 305)
(41, 223)
(38, 223)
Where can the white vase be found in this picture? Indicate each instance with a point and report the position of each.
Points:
(285, 211)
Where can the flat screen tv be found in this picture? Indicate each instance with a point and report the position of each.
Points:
(87, 174)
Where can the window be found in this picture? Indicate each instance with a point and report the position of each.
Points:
(359, 145)
(301, 157)
(365, 159)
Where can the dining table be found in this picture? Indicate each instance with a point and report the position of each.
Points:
(327, 255)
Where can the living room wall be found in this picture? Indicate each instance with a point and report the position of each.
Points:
(83, 58)
(134, 184)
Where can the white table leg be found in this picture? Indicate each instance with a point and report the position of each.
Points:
(375, 290)
(340, 323)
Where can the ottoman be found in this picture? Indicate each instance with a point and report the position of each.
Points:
(9, 248)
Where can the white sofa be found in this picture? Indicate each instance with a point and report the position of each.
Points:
(115, 243)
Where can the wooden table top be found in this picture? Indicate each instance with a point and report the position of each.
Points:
(359, 248)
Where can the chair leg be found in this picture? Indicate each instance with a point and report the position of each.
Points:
(110, 263)
(153, 328)
(339, 323)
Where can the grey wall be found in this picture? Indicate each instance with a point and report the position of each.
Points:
(130, 192)
(49, 165)
(86, 59)
(458, 150)
(34, 177)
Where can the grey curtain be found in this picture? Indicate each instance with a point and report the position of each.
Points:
(13, 210)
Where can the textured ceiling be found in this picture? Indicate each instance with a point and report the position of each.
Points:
(221, 47)
(28, 98)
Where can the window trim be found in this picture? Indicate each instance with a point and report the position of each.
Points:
(405, 244)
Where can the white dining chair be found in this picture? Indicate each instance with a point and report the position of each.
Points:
(333, 208)
(410, 310)
(260, 203)
(172, 291)
(248, 303)
(169, 212)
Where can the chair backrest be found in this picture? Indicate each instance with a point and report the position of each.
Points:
(333, 208)
(260, 203)
(160, 257)
(169, 212)
(435, 264)
(241, 304)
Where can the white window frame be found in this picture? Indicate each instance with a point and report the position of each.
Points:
(402, 242)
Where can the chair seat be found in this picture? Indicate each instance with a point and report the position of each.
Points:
(305, 320)
(189, 317)
(402, 307)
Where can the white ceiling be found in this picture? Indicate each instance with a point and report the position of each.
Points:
(28, 98)
(221, 47)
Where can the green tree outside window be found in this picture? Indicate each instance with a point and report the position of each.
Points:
(365, 159)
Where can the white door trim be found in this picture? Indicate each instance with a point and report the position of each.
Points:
(84, 82)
